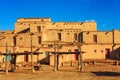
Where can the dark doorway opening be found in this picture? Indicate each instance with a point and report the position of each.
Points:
(76, 55)
(26, 56)
(107, 53)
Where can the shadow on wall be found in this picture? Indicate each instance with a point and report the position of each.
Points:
(25, 30)
(106, 73)
(115, 54)
(45, 60)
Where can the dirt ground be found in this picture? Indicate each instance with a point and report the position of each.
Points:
(91, 72)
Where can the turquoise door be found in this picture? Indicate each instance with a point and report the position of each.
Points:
(8, 56)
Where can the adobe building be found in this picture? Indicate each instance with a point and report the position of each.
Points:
(41, 35)
(101, 44)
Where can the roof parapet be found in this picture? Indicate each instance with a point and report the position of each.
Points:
(33, 19)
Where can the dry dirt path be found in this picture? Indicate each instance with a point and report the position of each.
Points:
(93, 72)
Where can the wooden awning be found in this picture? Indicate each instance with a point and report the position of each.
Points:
(68, 52)
(21, 53)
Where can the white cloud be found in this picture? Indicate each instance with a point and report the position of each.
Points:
(90, 21)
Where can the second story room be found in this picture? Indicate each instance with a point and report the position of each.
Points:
(24, 25)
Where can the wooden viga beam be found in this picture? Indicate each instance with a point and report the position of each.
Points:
(21, 53)
(68, 52)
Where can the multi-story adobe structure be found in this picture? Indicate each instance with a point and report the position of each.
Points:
(101, 44)
(95, 44)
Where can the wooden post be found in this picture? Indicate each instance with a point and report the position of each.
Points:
(38, 59)
(55, 58)
(71, 63)
(32, 65)
(117, 63)
(15, 61)
(14, 45)
(80, 62)
(6, 66)
(62, 61)
(56, 62)
(94, 62)
(11, 63)
(6, 62)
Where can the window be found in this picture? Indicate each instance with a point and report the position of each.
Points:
(39, 39)
(75, 36)
(42, 20)
(59, 36)
(20, 38)
(95, 51)
(80, 38)
(14, 41)
(68, 33)
(26, 56)
(38, 28)
(95, 38)
(101, 51)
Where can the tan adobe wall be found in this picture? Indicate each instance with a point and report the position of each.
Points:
(25, 23)
(66, 35)
(21, 58)
(116, 36)
(95, 51)
(92, 51)
(6, 38)
(33, 19)
(42, 25)
(45, 23)
(115, 52)
(20, 26)
(3, 49)
(24, 40)
(84, 26)
(49, 32)
(102, 37)
(91, 26)
(9, 31)
(64, 57)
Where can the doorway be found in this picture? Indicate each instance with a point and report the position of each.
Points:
(75, 54)
(107, 53)
(26, 56)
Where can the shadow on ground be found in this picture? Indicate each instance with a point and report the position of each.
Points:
(106, 73)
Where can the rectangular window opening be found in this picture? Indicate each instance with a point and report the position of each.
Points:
(95, 38)
(59, 36)
(75, 36)
(80, 38)
(38, 28)
(14, 41)
(39, 40)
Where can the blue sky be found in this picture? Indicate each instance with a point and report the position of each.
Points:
(105, 12)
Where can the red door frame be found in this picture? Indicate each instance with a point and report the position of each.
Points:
(75, 54)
